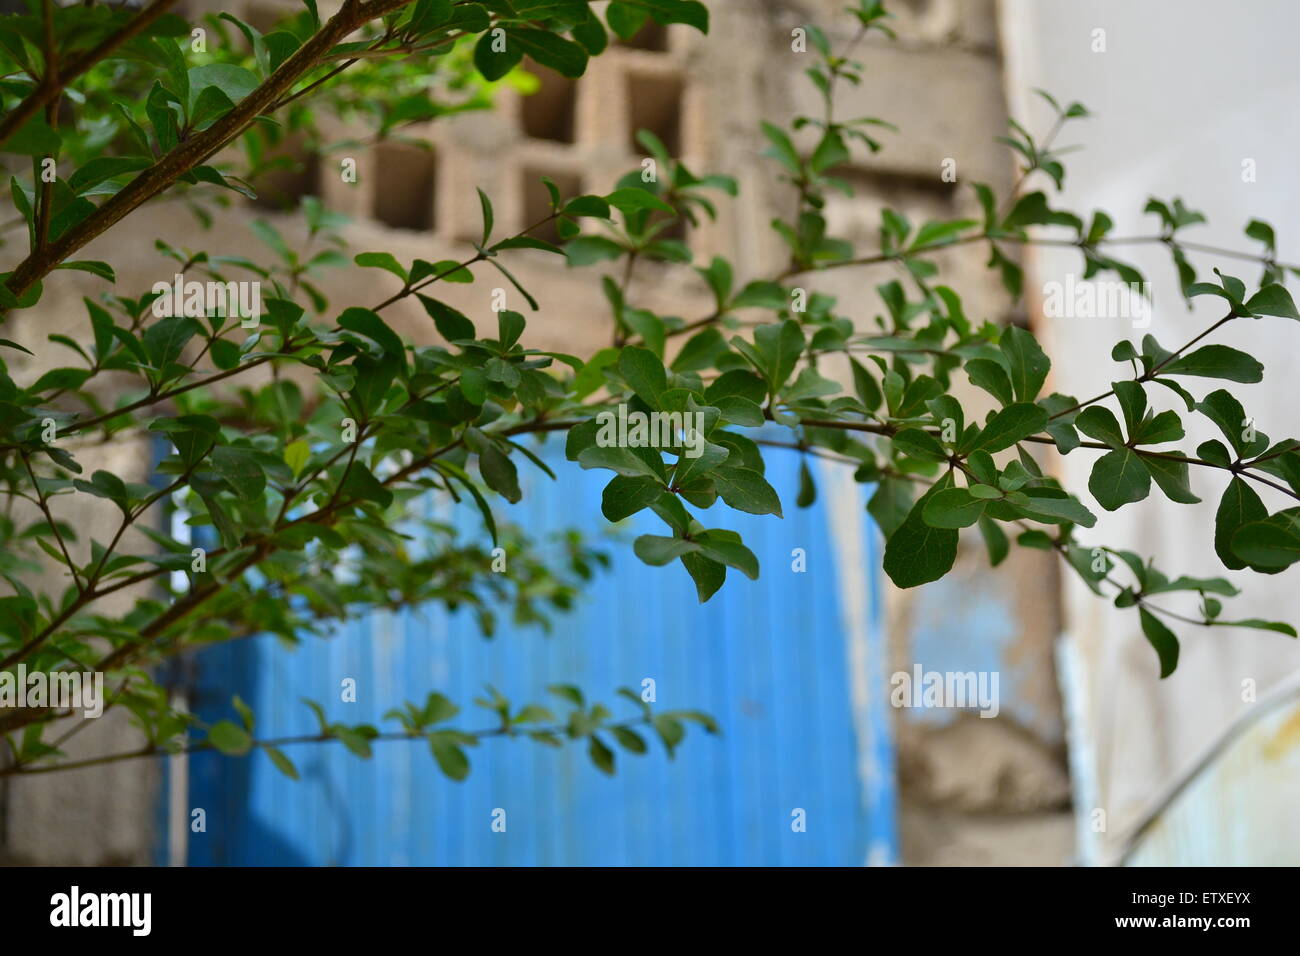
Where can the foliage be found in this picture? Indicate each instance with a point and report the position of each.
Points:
(302, 494)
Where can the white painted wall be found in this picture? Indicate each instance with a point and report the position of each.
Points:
(1185, 91)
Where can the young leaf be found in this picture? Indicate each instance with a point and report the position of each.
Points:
(1162, 639)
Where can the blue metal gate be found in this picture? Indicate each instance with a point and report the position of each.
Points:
(791, 666)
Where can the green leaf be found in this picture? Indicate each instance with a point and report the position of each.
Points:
(760, 294)
(953, 508)
(234, 81)
(495, 63)
(774, 352)
(240, 469)
(629, 740)
(485, 205)
(1261, 625)
(245, 713)
(93, 266)
(917, 553)
(437, 708)
(163, 117)
(630, 200)
(499, 472)
(689, 469)
(830, 152)
(296, 455)
(165, 339)
(739, 411)
(1012, 424)
(807, 486)
(600, 755)
(496, 264)
(1158, 429)
(1132, 399)
(937, 233)
(1027, 363)
(865, 385)
(209, 106)
(282, 763)
(588, 250)
(1032, 210)
(1273, 300)
(1172, 477)
(449, 755)
(451, 324)
(995, 540)
(1240, 505)
(1185, 583)
(623, 461)
(1217, 361)
(1118, 478)
(33, 138)
(357, 743)
(746, 490)
(1056, 509)
(707, 574)
(230, 537)
(733, 554)
(644, 373)
(229, 738)
(992, 377)
(689, 12)
(381, 260)
(1222, 408)
(625, 496)
(917, 443)
(586, 206)
(360, 484)
(890, 504)
(671, 732)
(484, 509)
(1099, 422)
(369, 324)
(1270, 544)
(658, 550)
(1162, 639)
(563, 56)
(102, 168)
(625, 19)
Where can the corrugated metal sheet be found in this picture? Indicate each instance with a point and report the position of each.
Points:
(1238, 806)
(790, 665)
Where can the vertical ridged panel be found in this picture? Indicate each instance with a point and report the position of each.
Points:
(768, 659)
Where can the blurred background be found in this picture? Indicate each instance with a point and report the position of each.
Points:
(1090, 759)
